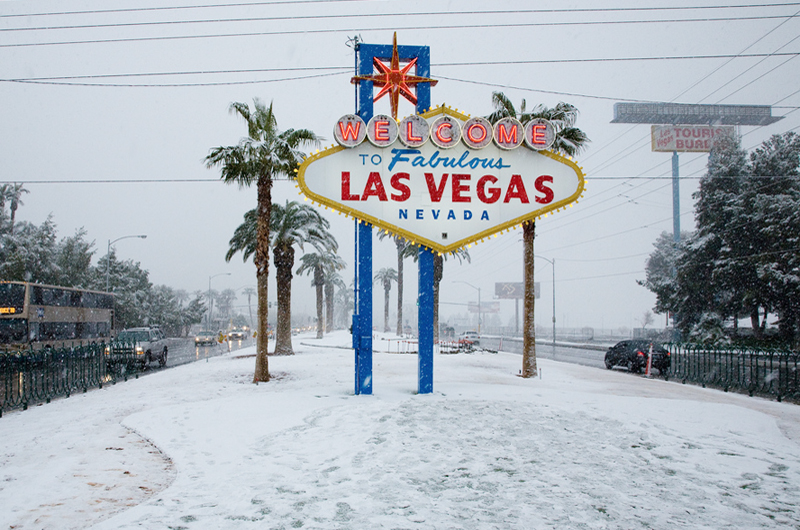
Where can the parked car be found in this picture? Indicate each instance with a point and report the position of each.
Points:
(470, 338)
(632, 354)
(206, 337)
(149, 344)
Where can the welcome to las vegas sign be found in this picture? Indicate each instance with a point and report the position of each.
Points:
(441, 179)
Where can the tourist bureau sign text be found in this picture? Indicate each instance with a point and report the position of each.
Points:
(441, 179)
(687, 138)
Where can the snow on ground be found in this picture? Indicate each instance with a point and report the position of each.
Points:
(200, 446)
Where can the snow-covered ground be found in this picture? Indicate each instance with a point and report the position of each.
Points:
(200, 446)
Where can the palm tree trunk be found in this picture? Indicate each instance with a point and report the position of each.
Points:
(438, 273)
(261, 260)
(284, 261)
(13, 215)
(528, 324)
(250, 310)
(400, 245)
(387, 287)
(319, 282)
(329, 307)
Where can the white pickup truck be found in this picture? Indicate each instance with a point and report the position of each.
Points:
(149, 344)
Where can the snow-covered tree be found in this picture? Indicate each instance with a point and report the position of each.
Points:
(743, 258)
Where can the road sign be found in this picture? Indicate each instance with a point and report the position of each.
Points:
(486, 307)
(513, 290)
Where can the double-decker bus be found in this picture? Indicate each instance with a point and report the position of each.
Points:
(37, 316)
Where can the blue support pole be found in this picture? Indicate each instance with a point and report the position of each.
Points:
(364, 351)
(362, 320)
(425, 320)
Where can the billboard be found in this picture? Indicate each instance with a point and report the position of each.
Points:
(687, 138)
(693, 114)
(441, 179)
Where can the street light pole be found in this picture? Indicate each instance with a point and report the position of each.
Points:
(553, 263)
(208, 318)
(479, 302)
(108, 255)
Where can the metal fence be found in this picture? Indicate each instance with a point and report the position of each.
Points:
(755, 371)
(38, 376)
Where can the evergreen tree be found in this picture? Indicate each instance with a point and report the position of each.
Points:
(743, 258)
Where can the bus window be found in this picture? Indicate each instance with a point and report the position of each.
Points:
(12, 298)
(33, 331)
(13, 330)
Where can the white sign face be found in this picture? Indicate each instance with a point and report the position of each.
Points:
(442, 198)
(687, 138)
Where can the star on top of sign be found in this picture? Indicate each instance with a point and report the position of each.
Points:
(393, 80)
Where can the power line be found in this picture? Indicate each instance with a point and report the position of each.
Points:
(340, 16)
(296, 2)
(188, 72)
(340, 70)
(170, 85)
(395, 28)
(176, 8)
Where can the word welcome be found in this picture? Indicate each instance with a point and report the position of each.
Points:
(445, 132)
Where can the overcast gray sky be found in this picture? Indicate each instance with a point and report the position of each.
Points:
(132, 99)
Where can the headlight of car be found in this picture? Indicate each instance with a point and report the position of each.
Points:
(139, 350)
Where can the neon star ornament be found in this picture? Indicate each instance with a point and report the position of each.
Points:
(394, 80)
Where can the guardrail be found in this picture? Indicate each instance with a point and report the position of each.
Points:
(37, 376)
(755, 371)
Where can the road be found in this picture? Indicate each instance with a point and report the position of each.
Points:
(545, 350)
(183, 351)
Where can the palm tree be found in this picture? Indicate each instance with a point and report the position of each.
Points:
(210, 296)
(401, 244)
(295, 224)
(570, 141)
(318, 264)
(386, 277)
(225, 303)
(438, 273)
(249, 292)
(13, 194)
(332, 280)
(263, 154)
(345, 300)
(292, 224)
(4, 195)
(181, 295)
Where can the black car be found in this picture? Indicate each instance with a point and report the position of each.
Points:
(632, 354)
